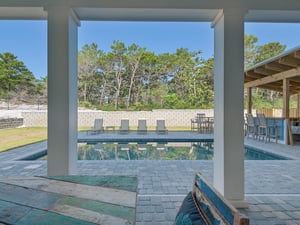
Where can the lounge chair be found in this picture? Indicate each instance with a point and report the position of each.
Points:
(161, 146)
(124, 128)
(142, 126)
(98, 127)
(99, 148)
(142, 146)
(124, 146)
(160, 127)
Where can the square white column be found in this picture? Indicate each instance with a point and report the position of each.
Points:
(62, 90)
(229, 105)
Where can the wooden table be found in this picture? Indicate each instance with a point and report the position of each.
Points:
(68, 200)
(202, 124)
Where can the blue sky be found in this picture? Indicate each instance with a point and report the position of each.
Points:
(28, 39)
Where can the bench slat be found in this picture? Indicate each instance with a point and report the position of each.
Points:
(219, 207)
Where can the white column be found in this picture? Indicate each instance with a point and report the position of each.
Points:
(62, 90)
(229, 105)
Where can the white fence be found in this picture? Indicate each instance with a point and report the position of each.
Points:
(173, 118)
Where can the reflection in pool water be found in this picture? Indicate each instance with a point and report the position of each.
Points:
(145, 151)
(160, 151)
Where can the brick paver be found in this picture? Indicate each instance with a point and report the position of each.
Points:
(272, 188)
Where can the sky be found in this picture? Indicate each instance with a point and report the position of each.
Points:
(28, 39)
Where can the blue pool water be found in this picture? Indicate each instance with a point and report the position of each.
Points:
(159, 151)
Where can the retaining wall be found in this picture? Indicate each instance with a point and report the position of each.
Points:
(10, 122)
(113, 118)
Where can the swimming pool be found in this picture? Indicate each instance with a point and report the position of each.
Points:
(159, 151)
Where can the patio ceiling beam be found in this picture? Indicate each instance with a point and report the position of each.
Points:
(277, 88)
(294, 84)
(22, 3)
(294, 91)
(289, 62)
(252, 75)
(297, 54)
(273, 78)
(263, 71)
(289, 5)
(294, 87)
(277, 67)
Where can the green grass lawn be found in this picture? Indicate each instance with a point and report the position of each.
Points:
(16, 137)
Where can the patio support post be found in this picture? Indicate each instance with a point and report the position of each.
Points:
(286, 99)
(229, 105)
(62, 89)
(298, 106)
(249, 100)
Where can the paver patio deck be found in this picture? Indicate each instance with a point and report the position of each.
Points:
(272, 188)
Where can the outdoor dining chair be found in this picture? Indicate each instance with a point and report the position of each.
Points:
(251, 127)
(266, 131)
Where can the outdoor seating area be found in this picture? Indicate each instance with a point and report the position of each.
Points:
(259, 128)
(202, 123)
(124, 127)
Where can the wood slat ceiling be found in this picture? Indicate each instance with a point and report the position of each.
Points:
(270, 73)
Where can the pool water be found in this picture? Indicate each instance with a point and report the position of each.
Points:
(159, 151)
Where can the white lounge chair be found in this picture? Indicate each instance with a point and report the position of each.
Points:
(142, 126)
(161, 146)
(160, 127)
(124, 146)
(124, 128)
(98, 127)
(142, 146)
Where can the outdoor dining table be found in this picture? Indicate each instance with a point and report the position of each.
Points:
(205, 124)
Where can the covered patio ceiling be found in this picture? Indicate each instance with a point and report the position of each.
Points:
(195, 11)
(271, 73)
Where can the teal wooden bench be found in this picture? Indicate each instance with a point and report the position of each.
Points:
(204, 205)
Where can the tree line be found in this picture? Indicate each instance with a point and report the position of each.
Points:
(18, 84)
(132, 78)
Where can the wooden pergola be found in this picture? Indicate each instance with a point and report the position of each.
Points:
(280, 73)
